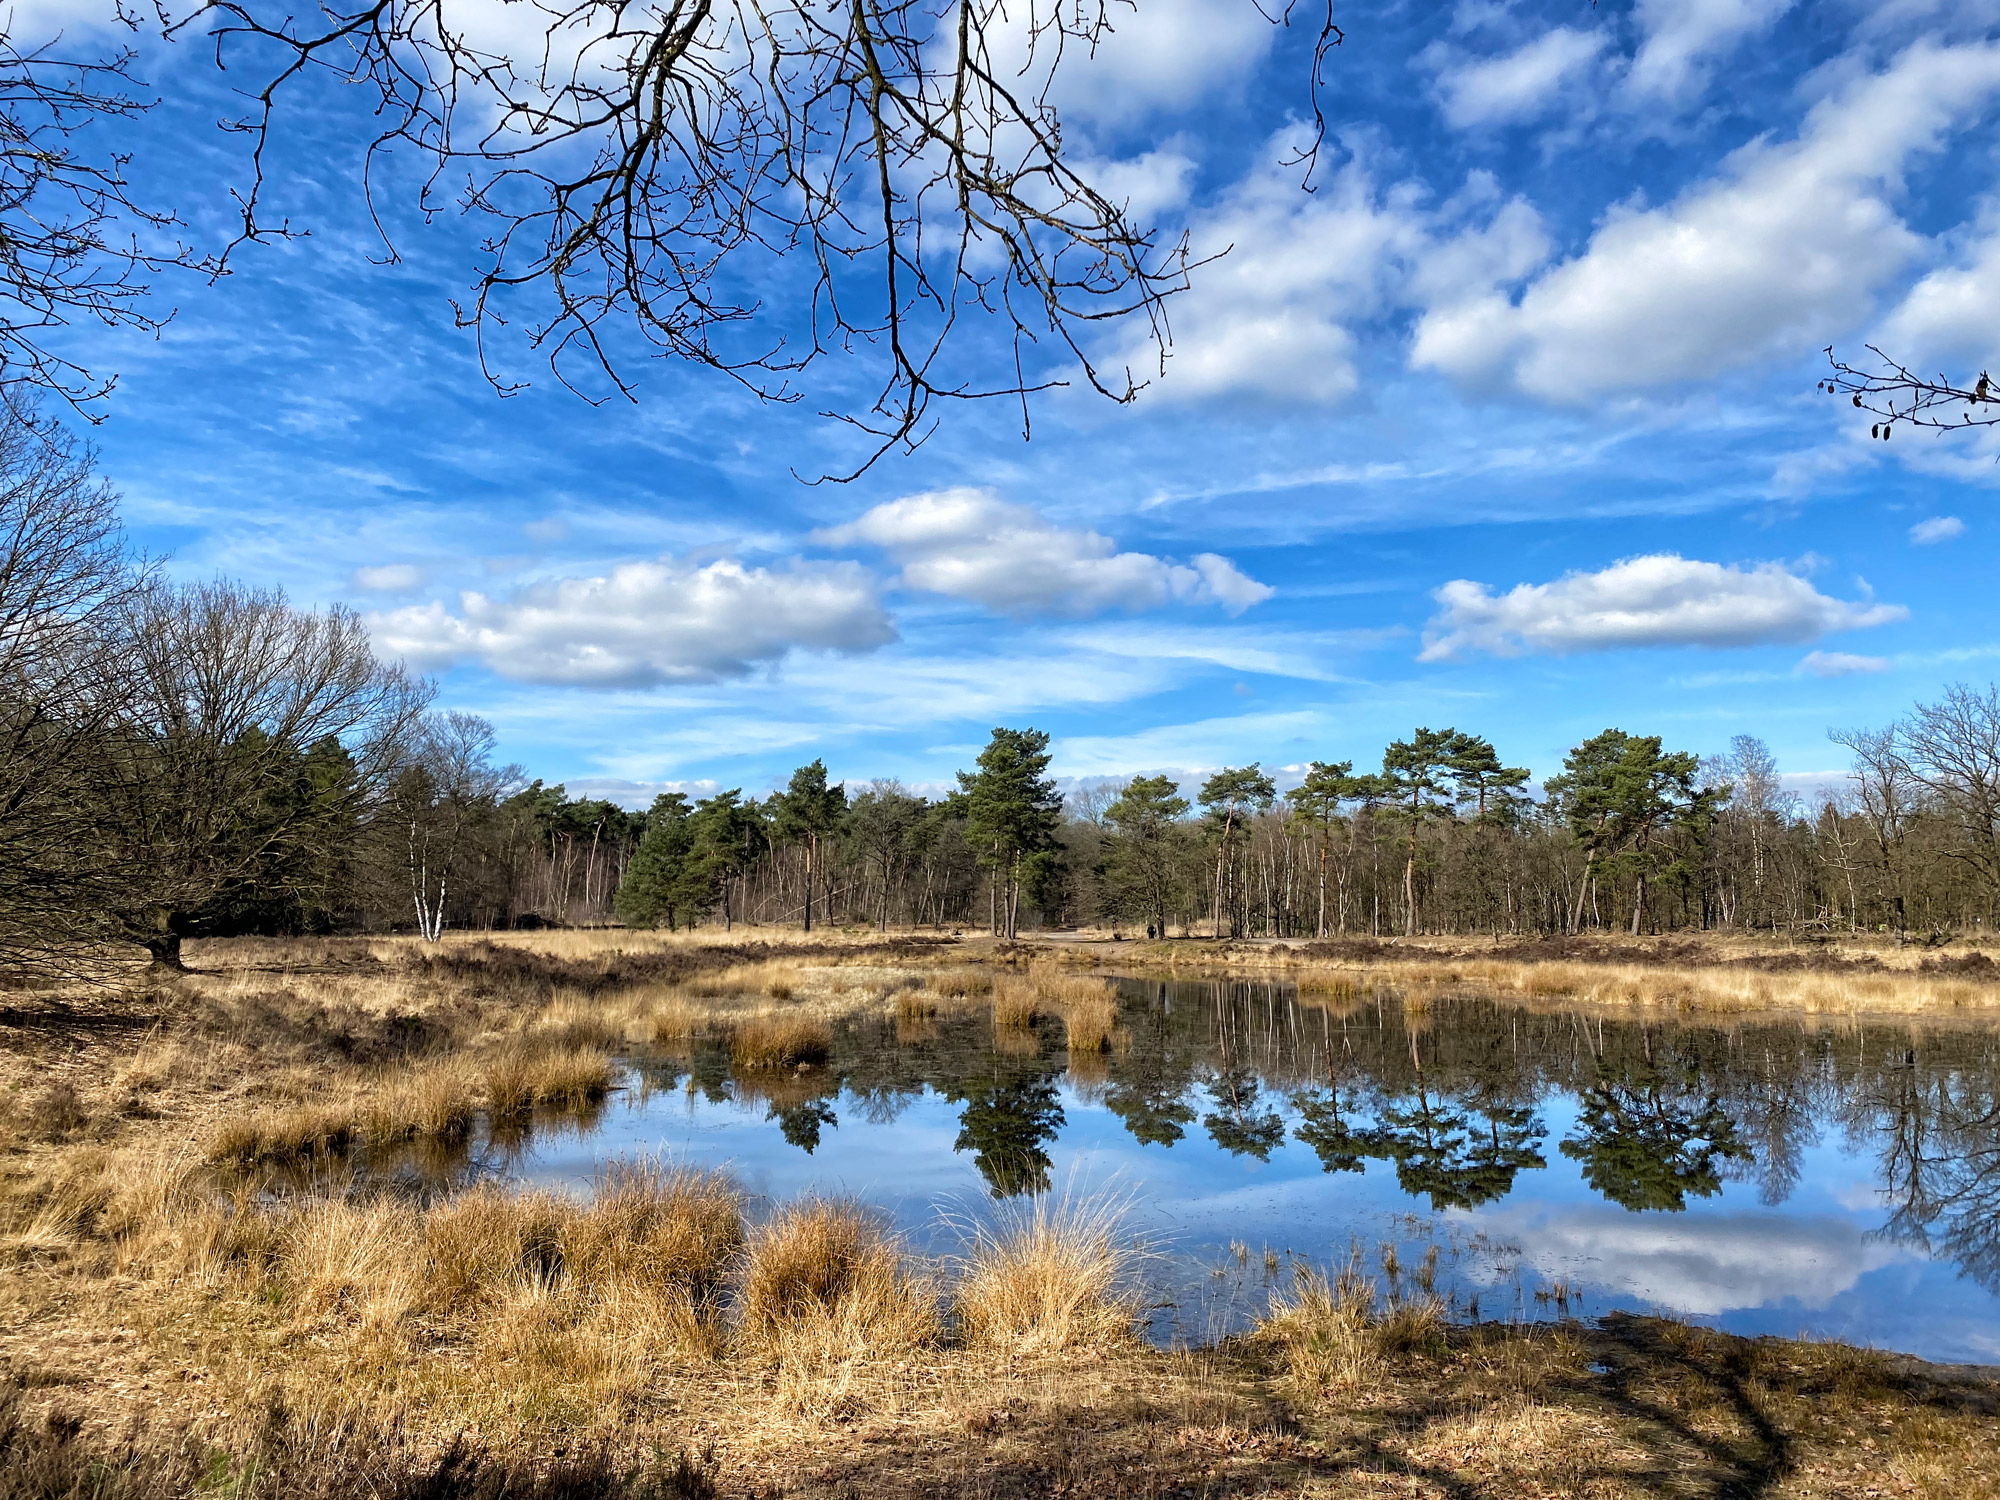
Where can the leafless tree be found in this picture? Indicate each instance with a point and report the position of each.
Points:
(1887, 794)
(1952, 751)
(634, 162)
(448, 784)
(205, 781)
(63, 577)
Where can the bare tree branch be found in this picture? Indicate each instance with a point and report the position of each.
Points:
(636, 161)
(1896, 393)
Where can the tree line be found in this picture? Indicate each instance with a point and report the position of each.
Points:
(189, 759)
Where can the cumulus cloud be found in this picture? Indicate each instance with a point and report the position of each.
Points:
(1683, 37)
(970, 544)
(1789, 242)
(1659, 600)
(1270, 318)
(1520, 85)
(390, 578)
(1936, 529)
(645, 623)
(1840, 664)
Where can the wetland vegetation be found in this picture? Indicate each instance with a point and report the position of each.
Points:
(330, 1213)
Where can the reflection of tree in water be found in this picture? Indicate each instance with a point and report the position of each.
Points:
(1339, 1146)
(1941, 1164)
(1237, 1125)
(1648, 1136)
(1151, 1079)
(1006, 1125)
(800, 1124)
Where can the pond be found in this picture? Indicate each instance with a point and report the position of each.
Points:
(1764, 1177)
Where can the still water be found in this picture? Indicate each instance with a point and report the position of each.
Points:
(1775, 1177)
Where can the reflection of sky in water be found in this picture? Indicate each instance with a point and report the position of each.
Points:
(1813, 1261)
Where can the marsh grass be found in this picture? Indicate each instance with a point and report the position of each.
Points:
(1334, 1332)
(1016, 1003)
(431, 1101)
(962, 983)
(781, 1041)
(531, 1072)
(1053, 1272)
(287, 1134)
(1090, 1018)
(825, 1287)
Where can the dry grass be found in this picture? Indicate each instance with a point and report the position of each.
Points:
(289, 1134)
(1016, 1003)
(914, 1003)
(1331, 1335)
(673, 1017)
(1051, 1272)
(529, 1073)
(433, 1101)
(962, 983)
(825, 1293)
(1090, 1018)
(781, 1041)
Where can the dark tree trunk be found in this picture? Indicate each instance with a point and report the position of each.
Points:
(166, 950)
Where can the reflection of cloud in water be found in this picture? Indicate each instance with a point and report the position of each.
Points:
(1704, 1264)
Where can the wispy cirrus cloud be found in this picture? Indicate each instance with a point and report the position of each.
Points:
(1659, 600)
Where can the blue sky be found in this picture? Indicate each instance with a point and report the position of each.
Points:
(1508, 425)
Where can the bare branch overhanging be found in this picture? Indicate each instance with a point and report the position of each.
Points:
(1894, 392)
(642, 158)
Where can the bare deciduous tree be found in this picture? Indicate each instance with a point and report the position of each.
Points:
(63, 576)
(449, 783)
(204, 781)
(1951, 749)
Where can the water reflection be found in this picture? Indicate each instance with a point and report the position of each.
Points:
(1776, 1176)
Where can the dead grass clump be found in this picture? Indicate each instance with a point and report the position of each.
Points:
(676, 1018)
(914, 1004)
(1321, 1329)
(962, 984)
(779, 979)
(1335, 986)
(57, 1112)
(1332, 1335)
(285, 1134)
(560, 1076)
(781, 1042)
(1051, 1272)
(1015, 1003)
(1091, 1020)
(424, 1103)
(823, 1282)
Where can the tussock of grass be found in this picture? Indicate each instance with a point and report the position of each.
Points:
(676, 1018)
(563, 1077)
(824, 1283)
(1051, 1272)
(433, 1102)
(962, 984)
(1015, 1003)
(1090, 1020)
(784, 1041)
(1332, 1335)
(915, 1004)
(288, 1134)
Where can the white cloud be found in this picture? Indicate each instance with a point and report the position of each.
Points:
(1936, 529)
(1683, 35)
(1269, 319)
(1780, 252)
(646, 623)
(390, 578)
(1840, 664)
(1659, 600)
(970, 544)
(1520, 85)
(1165, 54)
